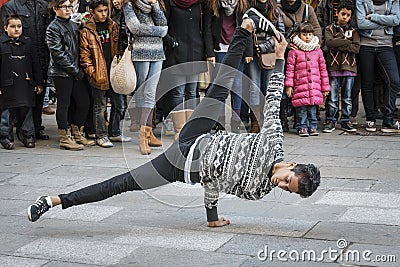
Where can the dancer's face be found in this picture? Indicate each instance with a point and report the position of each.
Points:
(285, 178)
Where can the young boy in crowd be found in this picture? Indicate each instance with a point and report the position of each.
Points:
(98, 46)
(343, 43)
(19, 80)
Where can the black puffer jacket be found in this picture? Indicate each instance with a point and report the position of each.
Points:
(34, 23)
(62, 37)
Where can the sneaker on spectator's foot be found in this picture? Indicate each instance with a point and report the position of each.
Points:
(303, 132)
(394, 128)
(354, 121)
(370, 127)
(261, 23)
(348, 126)
(329, 127)
(120, 138)
(313, 132)
(104, 142)
(7, 144)
(41, 205)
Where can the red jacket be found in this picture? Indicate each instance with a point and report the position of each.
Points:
(306, 73)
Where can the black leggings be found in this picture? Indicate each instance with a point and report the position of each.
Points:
(68, 88)
(168, 167)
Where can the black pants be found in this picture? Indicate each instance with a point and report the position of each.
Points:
(168, 167)
(68, 88)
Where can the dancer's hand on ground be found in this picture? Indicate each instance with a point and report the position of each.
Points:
(221, 222)
(280, 47)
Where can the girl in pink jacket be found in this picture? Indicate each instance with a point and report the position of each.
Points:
(307, 80)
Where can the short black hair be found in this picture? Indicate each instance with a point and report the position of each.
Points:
(11, 17)
(347, 4)
(56, 4)
(95, 3)
(306, 27)
(309, 178)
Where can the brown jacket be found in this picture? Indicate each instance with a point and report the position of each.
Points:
(91, 53)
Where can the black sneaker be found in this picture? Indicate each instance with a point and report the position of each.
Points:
(261, 23)
(394, 128)
(38, 208)
(348, 126)
(329, 127)
(7, 144)
(370, 127)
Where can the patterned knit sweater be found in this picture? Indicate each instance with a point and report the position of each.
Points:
(239, 164)
(147, 30)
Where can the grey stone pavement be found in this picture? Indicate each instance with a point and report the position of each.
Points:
(353, 219)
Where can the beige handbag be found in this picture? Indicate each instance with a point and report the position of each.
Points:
(204, 78)
(122, 73)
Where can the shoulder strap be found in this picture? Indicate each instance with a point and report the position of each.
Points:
(305, 14)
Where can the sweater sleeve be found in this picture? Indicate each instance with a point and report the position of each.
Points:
(272, 124)
(158, 15)
(140, 29)
(211, 194)
(393, 19)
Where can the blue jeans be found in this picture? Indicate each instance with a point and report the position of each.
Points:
(148, 75)
(306, 117)
(259, 78)
(117, 112)
(24, 123)
(332, 102)
(236, 92)
(385, 59)
(99, 106)
(186, 89)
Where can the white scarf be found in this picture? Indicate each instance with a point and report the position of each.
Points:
(314, 44)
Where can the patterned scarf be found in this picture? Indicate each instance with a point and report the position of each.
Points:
(144, 6)
(314, 44)
(229, 6)
(185, 3)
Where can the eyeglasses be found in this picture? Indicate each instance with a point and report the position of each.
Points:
(66, 7)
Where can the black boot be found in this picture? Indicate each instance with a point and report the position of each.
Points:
(283, 115)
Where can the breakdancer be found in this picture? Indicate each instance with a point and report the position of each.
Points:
(246, 165)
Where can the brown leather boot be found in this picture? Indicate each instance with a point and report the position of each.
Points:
(188, 113)
(255, 118)
(143, 140)
(153, 140)
(179, 119)
(67, 141)
(79, 136)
